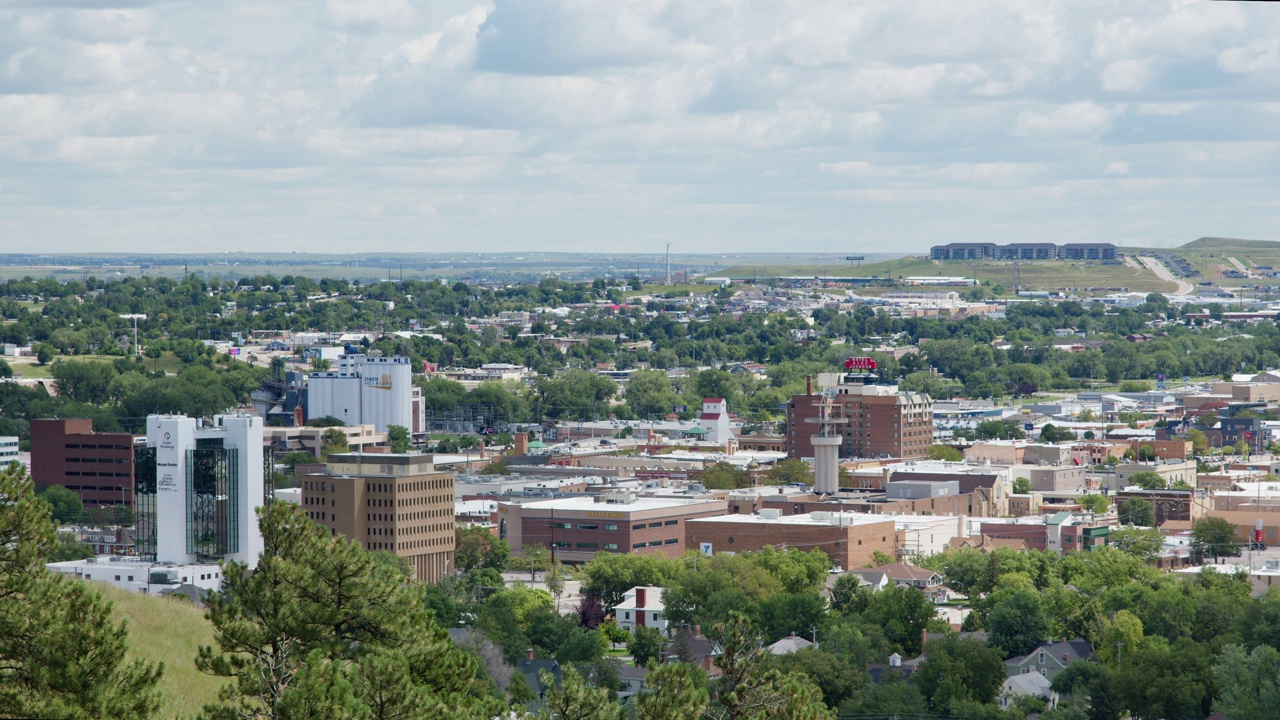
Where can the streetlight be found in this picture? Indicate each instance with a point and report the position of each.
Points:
(135, 316)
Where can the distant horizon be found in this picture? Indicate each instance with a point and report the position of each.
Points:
(496, 126)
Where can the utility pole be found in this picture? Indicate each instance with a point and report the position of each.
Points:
(668, 263)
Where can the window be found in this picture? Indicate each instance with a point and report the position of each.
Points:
(562, 525)
(655, 543)
(670, 541)
(626, 615)
(611, 546)
(610, 527)
(1041, 657)
(671, 522)
(117, 578)
(130, 578)
(655, 524)
(637, 546)
(640, 526)
(589, 545)
(588, 526)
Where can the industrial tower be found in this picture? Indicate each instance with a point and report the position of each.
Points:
(826, 447)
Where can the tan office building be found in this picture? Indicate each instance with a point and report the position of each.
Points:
(394, 502)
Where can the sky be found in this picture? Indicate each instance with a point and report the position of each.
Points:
(622, 125)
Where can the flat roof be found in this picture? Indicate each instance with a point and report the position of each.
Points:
(638, 505)
(848, 519)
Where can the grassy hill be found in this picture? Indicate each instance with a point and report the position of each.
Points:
(169, 631)
(1045, 275)
(1210, 255)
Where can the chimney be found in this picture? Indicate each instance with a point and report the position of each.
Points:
(924, 638)
(521, 444)
(697, 631)
(808, 385)
(528, 655)
(1066, 658)
(640, 598)
(482, 450)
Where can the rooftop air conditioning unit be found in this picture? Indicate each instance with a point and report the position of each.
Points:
(769, 513)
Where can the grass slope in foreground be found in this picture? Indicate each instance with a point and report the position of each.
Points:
(169, 631)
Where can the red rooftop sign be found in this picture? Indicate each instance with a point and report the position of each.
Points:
(860, 363)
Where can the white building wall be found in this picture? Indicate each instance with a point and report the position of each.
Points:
(135, 576)
(364, 390)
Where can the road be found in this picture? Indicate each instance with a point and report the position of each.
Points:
(1162, 272)
(1239, 265)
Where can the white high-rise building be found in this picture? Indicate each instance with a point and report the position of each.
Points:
(198, 488)
(364, 391)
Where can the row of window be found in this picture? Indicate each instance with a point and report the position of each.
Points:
(655, 543)
(91, 446)
(95, 460)
(92, 473)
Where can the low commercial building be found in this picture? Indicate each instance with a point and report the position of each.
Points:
(849, 539)
(576, 528)
(1168, 504)
(1044, 478)
(1173, 471)
(395, 502)
(311, 439)
(141, 575)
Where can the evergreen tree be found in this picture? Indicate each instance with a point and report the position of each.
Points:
(62, 654)
(675, 692)
(322, 628)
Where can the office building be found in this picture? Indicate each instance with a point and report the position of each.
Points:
(198, 489)
(9, 450)
(97, 466)
(577, 528)
(394, 502)
(875, 421)
(366, 390)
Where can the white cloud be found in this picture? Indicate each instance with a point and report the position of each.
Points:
(1085, 118)
(501, 124)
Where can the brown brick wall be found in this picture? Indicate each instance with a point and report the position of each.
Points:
(847, 546)
(96, 466)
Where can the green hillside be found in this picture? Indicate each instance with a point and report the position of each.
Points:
(1045, 275)
(169, 631)
(1212, 256)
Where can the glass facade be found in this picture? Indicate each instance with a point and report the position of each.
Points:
(144, 501)
(213, 494)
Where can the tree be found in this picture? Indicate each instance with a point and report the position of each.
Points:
(1148, 480)
(1199, 441)
(746, 688)
(1140, 542)
(945, 453)
(62, 653)
(1137, 511)
(320, 627)
(1248, 682)
(69, 548)
(1214, 536)
(1021, 486)
(610, 575)
(478, 549)
(398, 438)
(833, 675)
(1017, 622)
(616, 635)
(790, 471)
(956, 670)
(903, 613)
(1095, 503)
(333, 441)
(647, 645)
(44, 353)
(67, 507)
(1051, 434)
(534, 557)
(576, 699)
(674, 692)
(724, 476)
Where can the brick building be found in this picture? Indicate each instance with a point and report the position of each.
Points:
(579, 527)
(875, 420)
(97, 466)
(849, 539)
(394, 502)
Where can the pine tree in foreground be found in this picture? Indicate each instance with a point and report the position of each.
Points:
(321, 629)
(62, 653)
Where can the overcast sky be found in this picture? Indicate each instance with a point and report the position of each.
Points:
(620, 125)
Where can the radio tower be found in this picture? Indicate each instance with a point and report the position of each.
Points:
(668, 263)
(826, 447)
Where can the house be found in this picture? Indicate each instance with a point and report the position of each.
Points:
(690, 646)
(532, 671)
(895, 669)
(788, 645)
(1027, 684)
(641, 606)
(904, 574)
(877, 581)
(632, 679)
(1049, 658)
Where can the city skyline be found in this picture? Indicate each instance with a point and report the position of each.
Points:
(390, 125)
